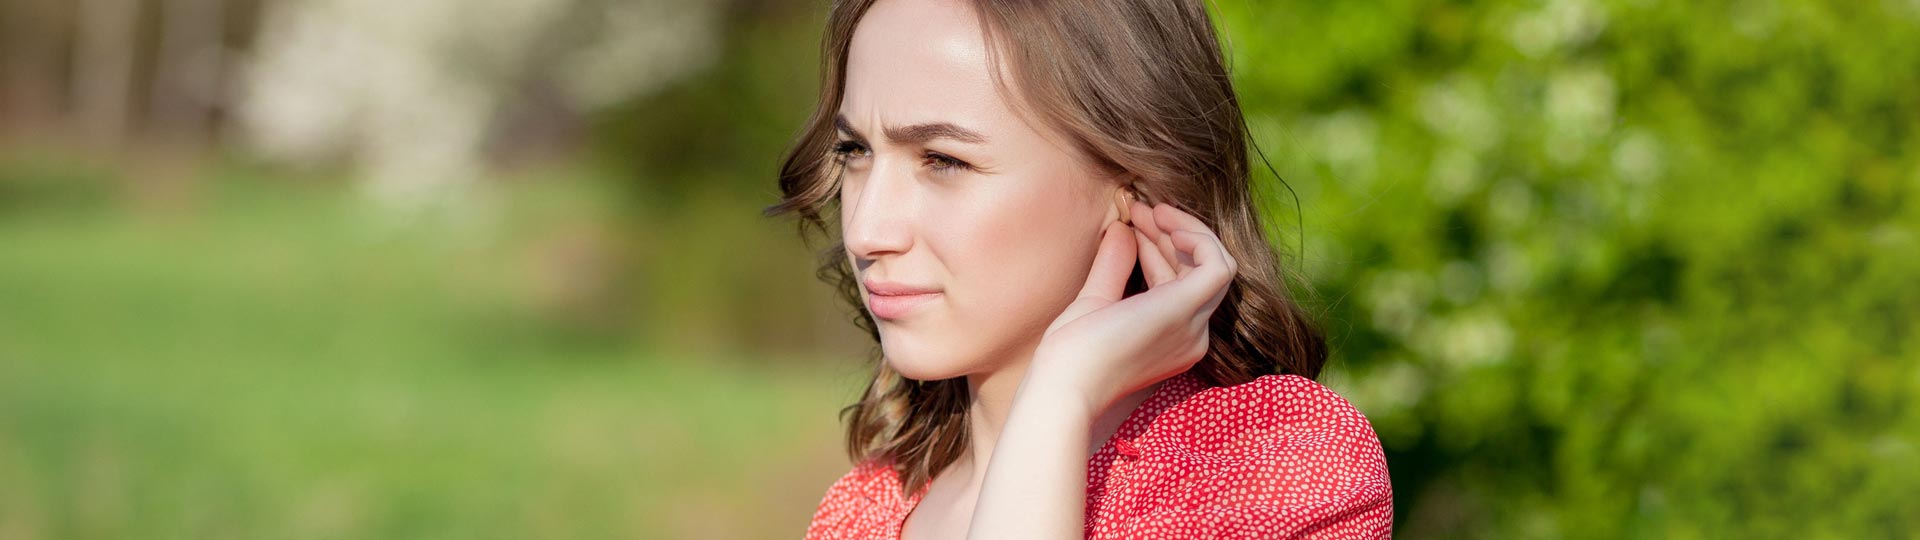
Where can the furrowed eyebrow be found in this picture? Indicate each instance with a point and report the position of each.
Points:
(918, 133)
(840, 122)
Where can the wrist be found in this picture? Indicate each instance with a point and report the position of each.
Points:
(1060, 387)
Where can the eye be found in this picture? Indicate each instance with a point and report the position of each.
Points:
(850, 149)
(943, 163)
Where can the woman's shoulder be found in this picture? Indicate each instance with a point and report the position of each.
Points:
(1277, 456)
(1271, 415)
(1289, 395)
(853, 504)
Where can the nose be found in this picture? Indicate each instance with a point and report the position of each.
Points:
(876, 214)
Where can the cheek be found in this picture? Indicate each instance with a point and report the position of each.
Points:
(1016, 255)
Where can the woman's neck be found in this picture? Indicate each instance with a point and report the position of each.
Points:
(992, 400)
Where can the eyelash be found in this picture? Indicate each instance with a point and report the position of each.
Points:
(940, 163)
(845, 149)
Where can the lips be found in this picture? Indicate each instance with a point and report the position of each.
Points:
(893, 300)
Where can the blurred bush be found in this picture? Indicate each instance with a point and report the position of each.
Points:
(1603, 269)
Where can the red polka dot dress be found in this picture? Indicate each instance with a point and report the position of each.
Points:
(1277, 457)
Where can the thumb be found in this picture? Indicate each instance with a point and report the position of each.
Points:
(1112, 265)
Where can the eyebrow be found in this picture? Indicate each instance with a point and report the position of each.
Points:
(916, 133)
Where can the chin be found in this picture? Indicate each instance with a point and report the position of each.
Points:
(922, 363)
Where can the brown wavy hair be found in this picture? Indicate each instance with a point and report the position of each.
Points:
(1142, 89)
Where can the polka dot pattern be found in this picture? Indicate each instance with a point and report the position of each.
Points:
(1277, 457)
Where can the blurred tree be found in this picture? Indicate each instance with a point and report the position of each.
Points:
(410, 92)
(102, 69)
(31, 38)
(190, 68)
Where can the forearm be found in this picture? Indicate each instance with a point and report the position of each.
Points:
(1036, 481)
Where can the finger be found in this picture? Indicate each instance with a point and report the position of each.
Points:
(1171, 219)
(1209, 259)
(1206, 284)
(1143, 219)
(1112, 264)
(1152, 264)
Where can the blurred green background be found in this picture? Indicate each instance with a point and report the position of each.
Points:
(496, 269)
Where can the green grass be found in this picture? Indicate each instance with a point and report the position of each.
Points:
(274, 360)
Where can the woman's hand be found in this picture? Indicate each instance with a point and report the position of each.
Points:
(1103, 346)
(1100, 348)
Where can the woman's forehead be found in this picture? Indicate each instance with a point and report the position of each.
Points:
(922, 61)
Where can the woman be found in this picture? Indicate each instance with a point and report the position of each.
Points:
(1044, 209)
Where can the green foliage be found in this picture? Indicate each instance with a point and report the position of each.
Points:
(1611, 268)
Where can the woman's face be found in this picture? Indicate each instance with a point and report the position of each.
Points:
(948, 191)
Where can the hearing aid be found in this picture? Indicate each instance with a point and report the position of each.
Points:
(1124, 198)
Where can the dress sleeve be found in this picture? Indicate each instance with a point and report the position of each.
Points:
(1307, 466)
